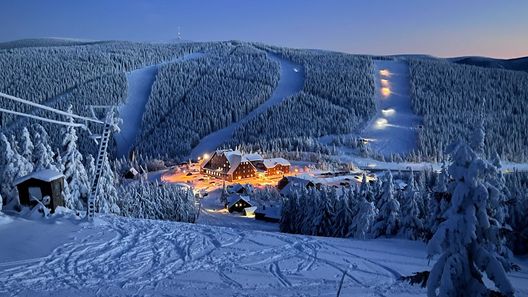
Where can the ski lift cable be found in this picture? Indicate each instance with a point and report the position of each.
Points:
(49, 109)
(43, 119)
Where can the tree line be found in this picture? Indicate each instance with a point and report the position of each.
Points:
(451, 98)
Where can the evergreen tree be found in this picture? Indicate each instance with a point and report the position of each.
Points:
(467, 243)
(364, 219)
(411, 223)
(26, 145)
(43, 154)
(12, 166)
(388, 221)
(107, 193)
(74, 171)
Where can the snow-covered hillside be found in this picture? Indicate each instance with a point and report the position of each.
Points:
(393, 129)
(290, 82)
(117, 256)
(139, 84)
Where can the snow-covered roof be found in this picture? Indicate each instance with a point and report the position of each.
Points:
(253, 157)
(236, 188)
(270, 163)
(233, 200)
(250, 210)
(46, 175)
(270, 211)
(295, 183)
(232, 156)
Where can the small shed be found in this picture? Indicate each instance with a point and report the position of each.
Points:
(39, 184)
(237, 203)
(131, 173)
(270, 213)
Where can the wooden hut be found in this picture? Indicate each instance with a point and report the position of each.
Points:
(33, 187)
(237, 203)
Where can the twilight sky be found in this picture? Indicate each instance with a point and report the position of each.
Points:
(441, 28)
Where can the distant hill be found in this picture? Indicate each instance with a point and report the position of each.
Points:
(45, 42)
(518, 64)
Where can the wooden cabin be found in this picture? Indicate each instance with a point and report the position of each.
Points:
(229, 165)
(33, 187)
(233, 165)
(276, 166)
(237, 203)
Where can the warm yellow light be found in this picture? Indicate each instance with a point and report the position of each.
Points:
(384, 83)
(385, 91)
(388, 111)
(384, 72)
(206, 156)
(381, 123)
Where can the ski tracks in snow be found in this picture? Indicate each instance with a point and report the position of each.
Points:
(122, 256)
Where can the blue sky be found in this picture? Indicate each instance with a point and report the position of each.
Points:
(441, 28)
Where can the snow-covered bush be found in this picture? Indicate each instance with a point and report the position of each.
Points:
(157, 201)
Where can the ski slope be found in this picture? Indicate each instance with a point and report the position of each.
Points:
(393, 129)
(117, 256)
(139, 84)
(291, 81)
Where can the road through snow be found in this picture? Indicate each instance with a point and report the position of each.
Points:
(140, 83)
(393, 129)
(118, 256)
(291, 82)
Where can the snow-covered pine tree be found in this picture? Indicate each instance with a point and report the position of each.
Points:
(497, 207)
(364, 219)
(467, 243)
(388, 220)
(43, 155)
(327, 198)
(341, 217)
(107, 195)
(411, 223)
(26, 145)
(74, 171)
(12, 166)
(6, 167)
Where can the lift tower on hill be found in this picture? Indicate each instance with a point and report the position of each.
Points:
(109, 125)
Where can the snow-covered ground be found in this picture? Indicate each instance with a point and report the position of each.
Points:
(117, 256)
(372, 164)
(214, 214)
(393, 129)
(140, 83)
(291, 81)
